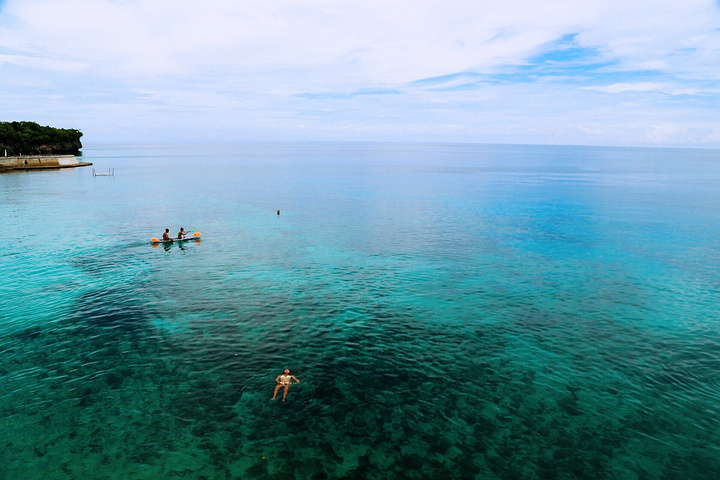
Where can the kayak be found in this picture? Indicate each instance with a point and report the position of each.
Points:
(194, 236)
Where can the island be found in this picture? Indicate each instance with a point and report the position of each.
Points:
(28, 146)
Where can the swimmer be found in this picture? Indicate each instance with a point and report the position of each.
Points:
(284, 381)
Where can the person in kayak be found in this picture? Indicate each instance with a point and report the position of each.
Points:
(182, 233)
(166, 235)
(284, 381)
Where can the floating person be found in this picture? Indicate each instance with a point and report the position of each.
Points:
(166, 235)
(182, 233)
(278, 213)
(284, 381)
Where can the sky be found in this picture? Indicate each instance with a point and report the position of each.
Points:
(563, 72)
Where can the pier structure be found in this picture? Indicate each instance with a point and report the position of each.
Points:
(39, 162)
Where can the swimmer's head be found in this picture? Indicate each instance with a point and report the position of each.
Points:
(287, 372)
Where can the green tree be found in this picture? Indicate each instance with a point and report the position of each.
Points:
(31, 138)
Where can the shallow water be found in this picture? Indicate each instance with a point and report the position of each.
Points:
(452, 311)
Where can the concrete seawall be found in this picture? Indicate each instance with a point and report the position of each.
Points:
(37, 162)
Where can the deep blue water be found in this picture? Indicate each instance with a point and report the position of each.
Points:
(452, 311)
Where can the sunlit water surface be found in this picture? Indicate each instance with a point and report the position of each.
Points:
(452, 311)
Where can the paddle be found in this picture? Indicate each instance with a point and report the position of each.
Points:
(190, 234)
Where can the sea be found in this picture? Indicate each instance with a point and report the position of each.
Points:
(451, 311)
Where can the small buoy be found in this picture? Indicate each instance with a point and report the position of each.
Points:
(264, 458)
(278, 213)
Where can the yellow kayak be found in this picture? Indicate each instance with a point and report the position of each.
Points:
(194, 236)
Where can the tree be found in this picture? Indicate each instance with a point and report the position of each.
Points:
(31, 138)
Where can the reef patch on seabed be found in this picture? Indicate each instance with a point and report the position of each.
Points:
(503, 423)
(75, 395)
(105, 394)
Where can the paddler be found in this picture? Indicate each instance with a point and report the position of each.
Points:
(166, 235)
(182, 233)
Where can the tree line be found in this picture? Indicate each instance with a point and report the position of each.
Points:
(29, 138)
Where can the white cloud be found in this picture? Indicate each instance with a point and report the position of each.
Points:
(41, 63)
(230, 61)
(370, 41)
(645, 87)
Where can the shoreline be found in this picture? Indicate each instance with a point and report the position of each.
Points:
(40, 162)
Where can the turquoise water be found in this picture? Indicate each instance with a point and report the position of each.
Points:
(452, 311)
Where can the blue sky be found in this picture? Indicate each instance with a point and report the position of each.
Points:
(596, 72)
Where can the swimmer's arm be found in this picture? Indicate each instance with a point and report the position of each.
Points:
(293, 377)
